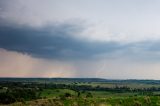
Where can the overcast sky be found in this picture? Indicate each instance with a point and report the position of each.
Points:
(113, 39)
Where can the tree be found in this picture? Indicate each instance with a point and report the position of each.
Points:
(79, 93)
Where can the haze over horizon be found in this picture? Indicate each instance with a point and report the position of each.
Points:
(80, 38)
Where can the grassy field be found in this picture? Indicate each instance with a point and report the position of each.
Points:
(109, 101)
(79, 92)
(49, 93)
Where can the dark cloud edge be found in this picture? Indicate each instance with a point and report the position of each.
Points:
(56, 42)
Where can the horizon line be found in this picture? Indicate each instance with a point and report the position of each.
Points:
(78, 78)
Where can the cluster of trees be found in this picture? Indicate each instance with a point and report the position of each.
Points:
(119, 89)
(18, 95)
(75, 87)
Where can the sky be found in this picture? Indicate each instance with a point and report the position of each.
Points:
(112, 39)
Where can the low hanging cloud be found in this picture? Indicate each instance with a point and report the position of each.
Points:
(52, 42)
(58, 42)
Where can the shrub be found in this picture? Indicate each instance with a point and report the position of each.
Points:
(89, 95)
(68, 95)
(137, 103)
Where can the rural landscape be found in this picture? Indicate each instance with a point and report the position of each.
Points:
(79, 52)
(78, 92)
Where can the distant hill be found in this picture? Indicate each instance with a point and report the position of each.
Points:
(78, 80)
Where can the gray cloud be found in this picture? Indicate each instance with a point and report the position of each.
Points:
(117, 37)
(51, 42)
(57, 42)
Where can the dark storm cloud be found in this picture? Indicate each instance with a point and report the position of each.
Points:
(58, 42)
(51, 42)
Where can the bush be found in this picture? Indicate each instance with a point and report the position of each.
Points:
(147, 100)
(62, 97)
(89, 95)
(6, 98)
(68, 95)
(137, 103)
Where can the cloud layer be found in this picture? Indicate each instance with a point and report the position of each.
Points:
(55, 38)
(52, 42)
(57, 42)
(126, 21)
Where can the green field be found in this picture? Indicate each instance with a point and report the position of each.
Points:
(79, 92)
